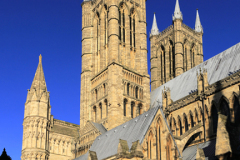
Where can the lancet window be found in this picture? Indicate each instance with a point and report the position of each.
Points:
(214, 118)
(121, 21)
(236, 111)
(125, 107)
(132, 21)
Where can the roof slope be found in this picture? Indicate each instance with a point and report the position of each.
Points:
(218, 67)
(100, 127)
(208, 148)
(106, 145)
(65, 128)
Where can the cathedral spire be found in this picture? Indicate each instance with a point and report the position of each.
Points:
(39, 83)
(154, 30)
(198, 26)
(177, 12)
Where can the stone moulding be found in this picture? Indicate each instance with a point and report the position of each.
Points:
(209, 90)
(59, 122)
(199, 125)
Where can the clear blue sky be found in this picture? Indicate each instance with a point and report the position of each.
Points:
(53, 28)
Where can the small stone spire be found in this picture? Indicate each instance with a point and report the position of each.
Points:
(177, 12)
(154, 30)
(39, 83)
(198, 26)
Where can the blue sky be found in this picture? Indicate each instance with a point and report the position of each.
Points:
(53, 28)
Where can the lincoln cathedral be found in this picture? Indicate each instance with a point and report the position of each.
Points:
(192, 111)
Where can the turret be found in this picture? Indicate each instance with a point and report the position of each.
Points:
(36, 123)
(177, 21)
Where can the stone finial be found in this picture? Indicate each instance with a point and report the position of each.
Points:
(222, 141)
(40, 58)
(136, 149)
(154, 30)
(177, 12)
(123, 146)
(198, 26)
(92, 155)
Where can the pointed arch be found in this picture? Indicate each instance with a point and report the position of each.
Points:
(191, 120)
(236, 110)
(174, 124)
(180, 126)
(150, 143)
(158, 138)
(196, 116)
(135, 11)
(185, 120)
(125, 107)
(224, 107)
(214, 118)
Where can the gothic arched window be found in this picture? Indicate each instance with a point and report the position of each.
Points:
(125, 107)
(132, 24)
(100, 107)
(121, 22)
(96, 97)
(192, 122)
(94, 114)
(136, 92)
(236, 111)
(180, 126)
(224, 109)
(132, 110)
(186, 123)
(128, 85)
(214, 116)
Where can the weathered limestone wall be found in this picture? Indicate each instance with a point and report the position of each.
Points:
(114, 42)
(175, 50)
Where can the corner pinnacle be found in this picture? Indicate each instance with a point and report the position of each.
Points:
(40, 58)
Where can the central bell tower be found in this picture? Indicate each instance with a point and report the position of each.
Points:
(114, 79)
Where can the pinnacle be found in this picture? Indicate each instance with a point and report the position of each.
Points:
(154, 30)
(177, 12)
(198, 26)
(39, 83)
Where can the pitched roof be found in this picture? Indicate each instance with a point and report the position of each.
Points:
(83, 157)
(218, 67)
(208, 147)
(106, 145)
(100, 127)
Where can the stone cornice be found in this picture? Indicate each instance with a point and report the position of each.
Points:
(63, 123)
(209, 90)
(124, 67)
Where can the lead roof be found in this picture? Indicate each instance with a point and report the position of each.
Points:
(218, 68)
(106, 144)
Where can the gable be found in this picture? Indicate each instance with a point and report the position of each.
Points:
(93, 126)
(106, 145)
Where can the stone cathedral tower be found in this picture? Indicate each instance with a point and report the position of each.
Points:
(174, 50)
(36, 123)
(114, 79)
